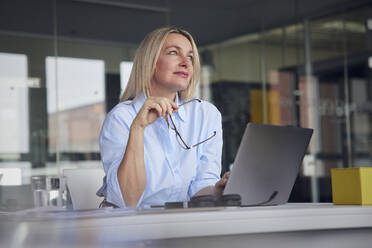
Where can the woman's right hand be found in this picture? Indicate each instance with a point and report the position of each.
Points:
(152, 109)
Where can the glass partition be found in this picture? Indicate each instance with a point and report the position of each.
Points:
(313, 73)
(57, 85)
(23, 114)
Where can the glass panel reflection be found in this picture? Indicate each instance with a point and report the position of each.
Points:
(75, 103)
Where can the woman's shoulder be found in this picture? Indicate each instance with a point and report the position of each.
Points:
(122, 110)
(209, 107)
(204, 109)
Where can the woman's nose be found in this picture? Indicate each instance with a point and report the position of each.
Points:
(185, 61)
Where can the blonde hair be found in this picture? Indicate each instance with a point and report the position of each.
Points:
(144, 65)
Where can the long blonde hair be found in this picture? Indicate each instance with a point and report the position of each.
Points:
(144, 65)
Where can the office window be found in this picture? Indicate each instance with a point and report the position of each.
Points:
(77, 82)
(14, 130)
(13, 65)
(125, 70)
(75, 100)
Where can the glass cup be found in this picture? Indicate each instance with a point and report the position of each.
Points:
(57, 194)
(49, 191)
(40, 193)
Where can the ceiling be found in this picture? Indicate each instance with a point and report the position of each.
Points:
(127, 21)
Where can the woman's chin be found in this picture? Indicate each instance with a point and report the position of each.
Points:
(179, 87)
(182, 88)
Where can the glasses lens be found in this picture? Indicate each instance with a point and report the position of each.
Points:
(180, 140)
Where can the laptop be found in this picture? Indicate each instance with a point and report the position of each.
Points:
(267, 163)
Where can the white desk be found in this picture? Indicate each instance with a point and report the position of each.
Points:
(291, 225)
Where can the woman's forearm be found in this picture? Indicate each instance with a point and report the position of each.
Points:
(209, 190)
(132, 172)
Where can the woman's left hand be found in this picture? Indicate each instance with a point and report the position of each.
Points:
(220, 185)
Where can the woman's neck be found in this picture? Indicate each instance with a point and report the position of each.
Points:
(170, 95)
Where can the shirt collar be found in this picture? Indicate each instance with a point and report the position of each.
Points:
(181, 111)
(140, 100)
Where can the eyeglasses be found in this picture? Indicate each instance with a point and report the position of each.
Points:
(180, 140)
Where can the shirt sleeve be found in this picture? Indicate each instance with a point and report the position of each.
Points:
(209, 163)
(113, 141)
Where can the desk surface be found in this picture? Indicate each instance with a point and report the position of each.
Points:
(119, 226)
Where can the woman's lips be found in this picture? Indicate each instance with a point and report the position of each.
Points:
(182, 74)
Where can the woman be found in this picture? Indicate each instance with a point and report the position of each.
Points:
(157, 144)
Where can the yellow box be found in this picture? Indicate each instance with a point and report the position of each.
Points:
(352, 186)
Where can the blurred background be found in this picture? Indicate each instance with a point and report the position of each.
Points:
(64, 64)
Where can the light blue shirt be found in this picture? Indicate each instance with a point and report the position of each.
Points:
(172, 173)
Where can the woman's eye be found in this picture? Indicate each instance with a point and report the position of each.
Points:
(190, 57)
(173, 52)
